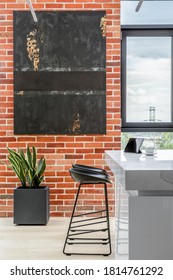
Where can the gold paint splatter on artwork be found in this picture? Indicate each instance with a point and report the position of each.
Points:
(103, 26)
(20, 93)
(76, 125)
(32, 49)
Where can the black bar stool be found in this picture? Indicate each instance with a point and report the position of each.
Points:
(90, 168)
(79, 223)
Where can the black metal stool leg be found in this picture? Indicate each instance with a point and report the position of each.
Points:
(107, 214)
(83, 228)
(74, 207)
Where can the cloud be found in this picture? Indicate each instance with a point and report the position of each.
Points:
(148, 83)
(149, 62)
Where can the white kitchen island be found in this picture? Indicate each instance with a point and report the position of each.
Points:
(144, 204)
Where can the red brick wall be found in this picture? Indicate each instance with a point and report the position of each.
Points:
(60, 151)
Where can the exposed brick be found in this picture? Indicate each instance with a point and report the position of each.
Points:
(93, 6)
(60, 151)
(74, 6)
(75, 145)
(2, 17)
(54, 6)
(86, 151)
(55, 145)
(93, 156)
(45, 139)
(8, 139)
(15, 6)
(84, 139)
(74, 156)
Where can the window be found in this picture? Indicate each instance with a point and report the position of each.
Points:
(151, 12)
(147, 60)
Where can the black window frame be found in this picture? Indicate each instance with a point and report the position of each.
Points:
(140, 31)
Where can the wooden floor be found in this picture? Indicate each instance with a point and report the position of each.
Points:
(43, 242)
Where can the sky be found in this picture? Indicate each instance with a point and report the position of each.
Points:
(151, 12)
(148, 62)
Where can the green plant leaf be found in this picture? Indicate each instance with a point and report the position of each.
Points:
(14, 159)
(20, 175)
(31, 173)
(26, 168)
(22, 154)
(25, 163)
(13, 153)
(14, 162)
(41, 167)
(29, 180)
(38, 180)
(23, 177)
(29, 157)
(41, 179)
(34, 157)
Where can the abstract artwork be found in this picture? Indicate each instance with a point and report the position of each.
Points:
(60, 73)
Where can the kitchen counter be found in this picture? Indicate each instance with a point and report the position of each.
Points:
(141, 172)
(144, 204)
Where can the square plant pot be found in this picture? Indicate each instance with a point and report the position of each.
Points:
(31, 206)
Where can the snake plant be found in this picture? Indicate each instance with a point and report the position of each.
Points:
(29, 172)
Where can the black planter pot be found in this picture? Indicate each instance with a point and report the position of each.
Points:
(31, 206)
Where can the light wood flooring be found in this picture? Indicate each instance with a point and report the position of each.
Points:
(43, 242)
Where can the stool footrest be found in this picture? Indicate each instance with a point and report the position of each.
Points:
(89, 213)
(87, 238)
(88, 225)
(87, 231)
(76, 243)
(85, 220)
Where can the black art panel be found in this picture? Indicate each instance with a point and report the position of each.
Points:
(59, 73)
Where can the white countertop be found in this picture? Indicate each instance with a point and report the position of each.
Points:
(162, 160)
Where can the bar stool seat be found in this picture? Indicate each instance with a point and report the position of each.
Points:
(88, 177)
(89, 168)
(79, 224)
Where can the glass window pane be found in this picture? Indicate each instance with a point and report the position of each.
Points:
(151, 12)
(148, 73)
